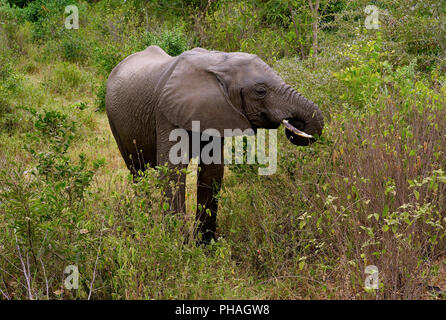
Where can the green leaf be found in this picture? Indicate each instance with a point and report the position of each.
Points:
(417, 194)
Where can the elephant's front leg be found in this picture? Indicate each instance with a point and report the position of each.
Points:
(208, 185)
(175, 190)
(176, 174)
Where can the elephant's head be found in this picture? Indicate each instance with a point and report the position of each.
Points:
(236, 90)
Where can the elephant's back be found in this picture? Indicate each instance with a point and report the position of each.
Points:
(132, 82)
(145, 61)
(131, 96)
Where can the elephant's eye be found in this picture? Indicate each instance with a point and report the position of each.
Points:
(260, 91)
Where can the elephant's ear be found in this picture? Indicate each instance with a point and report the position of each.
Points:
(195, 92)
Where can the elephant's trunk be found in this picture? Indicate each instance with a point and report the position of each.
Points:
(301, 113)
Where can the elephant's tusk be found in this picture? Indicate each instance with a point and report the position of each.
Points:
(296, 131)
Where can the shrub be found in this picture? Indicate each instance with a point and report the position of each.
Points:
(19, 3)
(174, 42)
(42, 208)
(235, 26)
(9, 88)
(366, 74)
(51, 221)
(106, 58)
(73, 46)
(100, 96)
(47, 17)
(416, 30)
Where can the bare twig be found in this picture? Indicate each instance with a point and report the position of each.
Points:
(46, 279)
(25, 272)
(97, 258)
(10, 262)
(5, 295)
(12, 276)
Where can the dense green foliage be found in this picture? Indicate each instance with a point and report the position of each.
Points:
(372, 190)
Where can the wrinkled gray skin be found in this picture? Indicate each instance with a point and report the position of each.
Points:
(150, 93)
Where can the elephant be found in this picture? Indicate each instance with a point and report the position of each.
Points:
(151, 93)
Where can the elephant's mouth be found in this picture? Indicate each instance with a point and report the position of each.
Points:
(295, 135)
(298, 136)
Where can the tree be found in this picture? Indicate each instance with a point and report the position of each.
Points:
(314, 8)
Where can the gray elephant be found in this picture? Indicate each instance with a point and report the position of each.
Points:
(150, 93)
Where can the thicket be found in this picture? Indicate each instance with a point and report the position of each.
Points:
(371, 191)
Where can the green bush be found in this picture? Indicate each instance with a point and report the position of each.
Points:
(235, 26)
(7, 10)
(47, 17)
(73, 46)
(10, 84)
(173, 42)
(100, 96)
(366, 74)
(416, 30)
(42, 207)
(19, 3)
(107, 57)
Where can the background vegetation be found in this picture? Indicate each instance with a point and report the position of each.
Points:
(371, 191)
